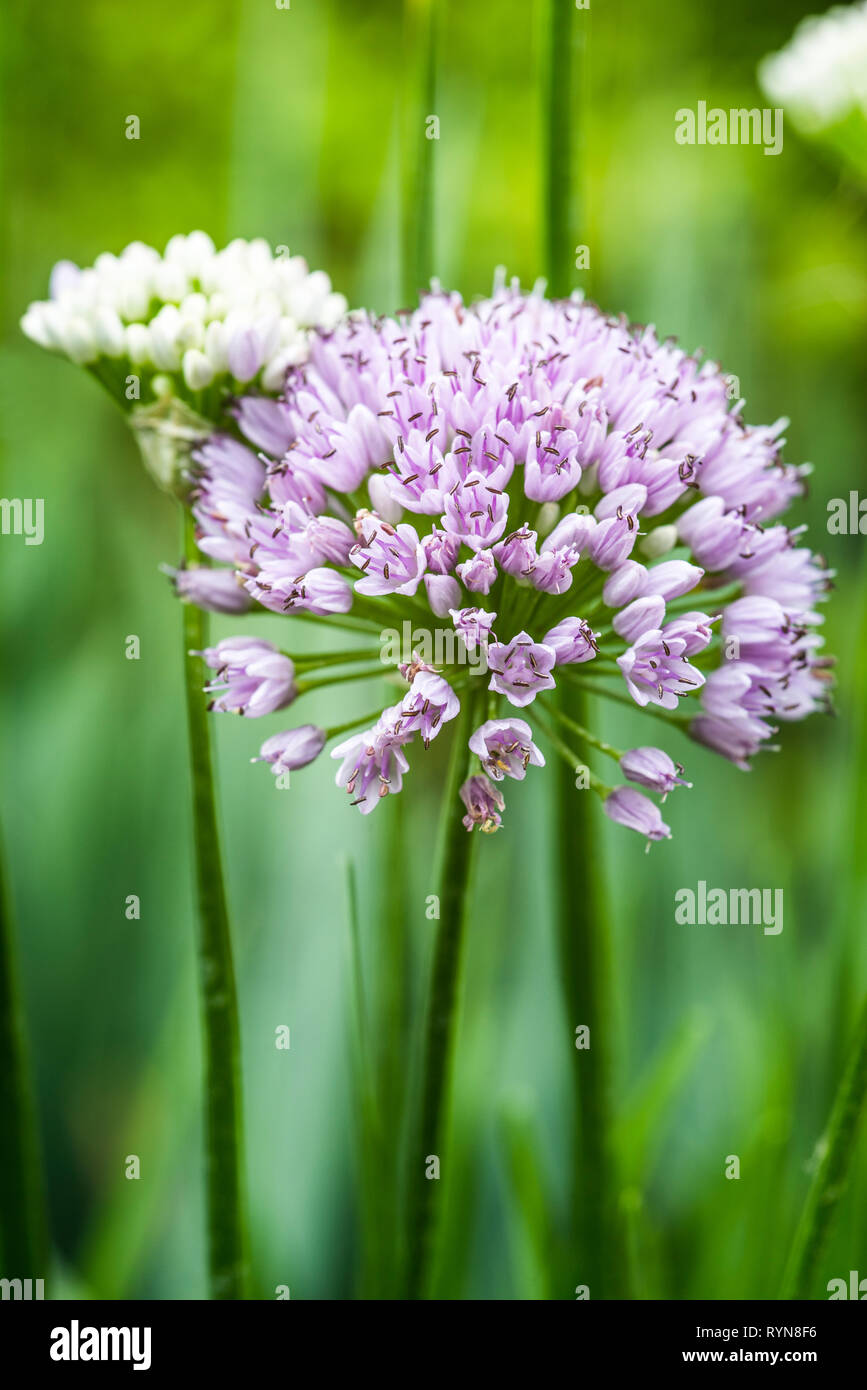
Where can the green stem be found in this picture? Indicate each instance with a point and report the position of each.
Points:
(655, 711)
(394, 1025)
(597, 1255)
(584, 734)
(837, 1149)
(455, 858)
(221, 1036)
(374, 1193)
(312, 661)
(562, 40)
(23, 1221)
(380, 672)
(419, 146)
(362, 722)
(332, 621)
(570, 758)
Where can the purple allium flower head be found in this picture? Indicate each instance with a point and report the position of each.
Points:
(484, 802)
(292, 749)
(628, 807)
(505, 748)
(522, 448)
(252, 675)
(653, 768)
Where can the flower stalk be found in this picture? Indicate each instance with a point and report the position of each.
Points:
(455, 860)
(23, 1221)
(582, 929)
(417, 184)
(835, 1152)
(562, 41)
(227, 1240)
(598, 1254)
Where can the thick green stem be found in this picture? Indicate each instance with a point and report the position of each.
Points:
(394, 1027)
(219, 1002)
(836, 1151)
(423, 1187)
(597, 1256)
(563, 40)
(23, 1222)
(420, 141)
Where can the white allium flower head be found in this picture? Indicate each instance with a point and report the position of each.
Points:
(820, 77)
(205, 317)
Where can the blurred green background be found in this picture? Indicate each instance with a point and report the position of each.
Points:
(286, 123)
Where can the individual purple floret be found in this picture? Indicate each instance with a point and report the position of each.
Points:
(653, 768)
(373, 765)
(484, 802)
(628, 807)
(572, 641)
(521, 668)
(292, 749)
(390, 558)
(218, 591)
(252, 676)
(505, 748)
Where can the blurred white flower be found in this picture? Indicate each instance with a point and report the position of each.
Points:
(820, 77)
(233, 317)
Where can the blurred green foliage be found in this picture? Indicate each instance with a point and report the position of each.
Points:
(285, 123)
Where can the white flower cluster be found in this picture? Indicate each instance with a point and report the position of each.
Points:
(821, 74)
(238, 314)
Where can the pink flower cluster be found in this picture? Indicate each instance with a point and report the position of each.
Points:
(575, 498)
